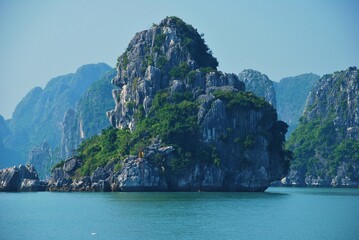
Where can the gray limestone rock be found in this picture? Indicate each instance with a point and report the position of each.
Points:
(101, 186)
(99, 174)
(22, 178)
(139, 175)
(158, 60)
(70, 166)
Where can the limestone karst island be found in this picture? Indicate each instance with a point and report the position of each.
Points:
(170, 121)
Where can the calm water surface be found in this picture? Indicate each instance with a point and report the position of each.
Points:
(279, 213)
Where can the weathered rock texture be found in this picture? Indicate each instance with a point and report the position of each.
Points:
(21, 178)
(136, 174)
(145, 68)
(259, 84)
(326, 143)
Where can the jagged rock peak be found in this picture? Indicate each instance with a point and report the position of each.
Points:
(163, 46)
(154, 60)
(259, 84)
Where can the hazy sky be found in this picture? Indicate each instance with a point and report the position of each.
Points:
(40, 40)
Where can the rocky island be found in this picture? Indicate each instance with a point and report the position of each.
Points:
(179, 124)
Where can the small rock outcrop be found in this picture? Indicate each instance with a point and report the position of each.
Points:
(20, 179)
(259, 84)
(61, 176)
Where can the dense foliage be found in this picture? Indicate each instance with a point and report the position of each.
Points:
(317, 149)
(241, 99)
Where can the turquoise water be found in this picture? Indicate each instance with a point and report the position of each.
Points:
(279, 213)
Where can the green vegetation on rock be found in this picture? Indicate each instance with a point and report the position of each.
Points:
(173, 119)
(241, 100)
(325, 144)
(194, 43)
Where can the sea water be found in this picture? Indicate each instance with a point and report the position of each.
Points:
(278, 213)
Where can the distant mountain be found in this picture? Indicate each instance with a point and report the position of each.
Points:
(88, 118)
(259, 84)
(326, 142)
(291, 93)
(8, 157)
(37, 118)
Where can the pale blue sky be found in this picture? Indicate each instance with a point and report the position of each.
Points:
(43, 39)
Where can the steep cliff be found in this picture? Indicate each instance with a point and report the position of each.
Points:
(219, 138)
(292, 93)
(259, 84)
(326, 142)
(88, 118)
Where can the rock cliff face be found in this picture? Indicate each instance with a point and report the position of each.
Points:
(326, 143)
(246, 137)
(292, 93)
(259, 84)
